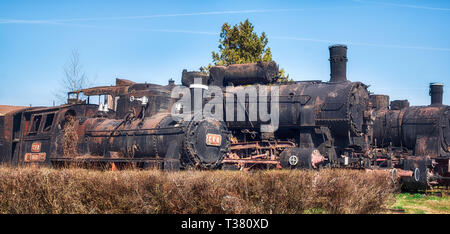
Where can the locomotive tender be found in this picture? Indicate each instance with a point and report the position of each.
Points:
(320, 124)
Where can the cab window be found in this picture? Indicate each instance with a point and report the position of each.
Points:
(35, 124)
(48, 122)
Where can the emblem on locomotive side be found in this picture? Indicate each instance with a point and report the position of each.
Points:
(36, 147)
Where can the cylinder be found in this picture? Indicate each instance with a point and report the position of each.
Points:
(338, 63)
(188, 77)
(436, 92)
(244, 74)
(301, 158)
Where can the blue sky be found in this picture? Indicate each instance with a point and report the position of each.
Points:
(396, 47)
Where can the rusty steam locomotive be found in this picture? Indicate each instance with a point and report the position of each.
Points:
(319, 124)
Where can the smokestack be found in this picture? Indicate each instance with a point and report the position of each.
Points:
(338, 63)
(436, 92)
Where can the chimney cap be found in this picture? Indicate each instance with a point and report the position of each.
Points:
(337, 45)
(436, 83)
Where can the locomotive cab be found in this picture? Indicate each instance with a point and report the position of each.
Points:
(10, 133)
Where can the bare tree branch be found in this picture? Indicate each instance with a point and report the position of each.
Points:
(74, 77)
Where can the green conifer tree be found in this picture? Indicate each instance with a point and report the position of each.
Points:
(240, 44)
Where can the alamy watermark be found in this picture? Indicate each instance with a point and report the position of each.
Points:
(252, 103)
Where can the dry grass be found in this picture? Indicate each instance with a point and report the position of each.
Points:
(27, 190)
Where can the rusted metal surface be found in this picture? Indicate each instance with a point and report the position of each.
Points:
(426, 130)
(379, 102)
(120, 88)
(244, 74)
(387, 127)
(133, 139)
(110, 90)
(399, 104)
(235, 74)
(5, 109)
(187, 77)
(334, 124)
(316, 158)
(254, 154)
(396, 174)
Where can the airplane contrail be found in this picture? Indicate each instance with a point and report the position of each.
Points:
(21, 21)
(135, 29)
(362, 43)
(404, 5)
(52, 21)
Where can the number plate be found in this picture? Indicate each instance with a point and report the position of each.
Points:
(35, 157)
(213, 139)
